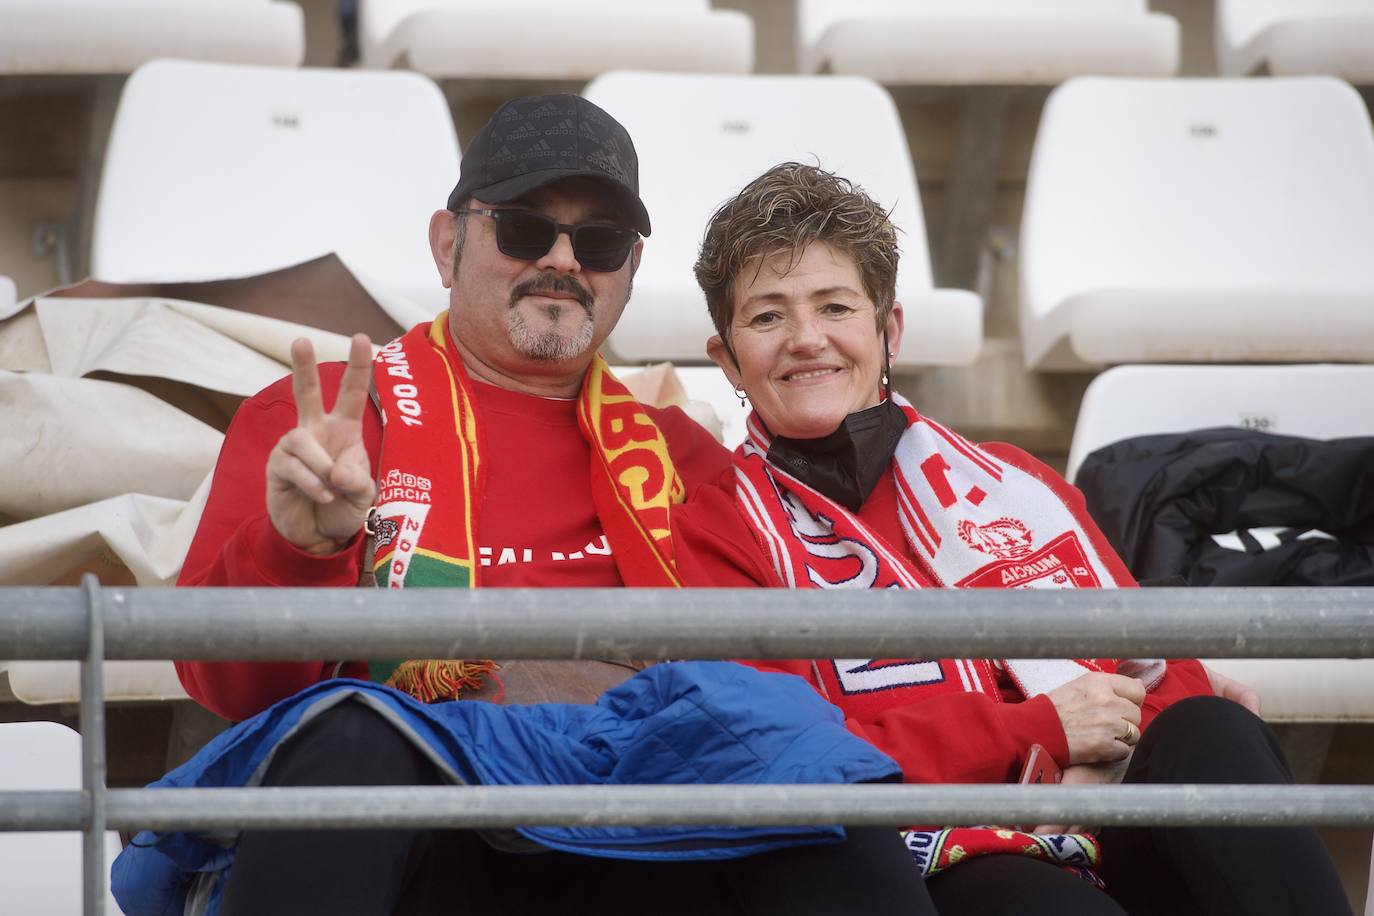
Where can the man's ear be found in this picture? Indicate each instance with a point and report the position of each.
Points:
(443, 230)
(896, 323)
(636, 253)
(720, 355)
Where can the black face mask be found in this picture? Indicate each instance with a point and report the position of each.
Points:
(845, 465)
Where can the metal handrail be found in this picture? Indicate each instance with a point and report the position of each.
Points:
(455, 807)
(279, 624)
(93, 624)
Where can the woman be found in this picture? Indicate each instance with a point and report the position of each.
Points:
(842, 484)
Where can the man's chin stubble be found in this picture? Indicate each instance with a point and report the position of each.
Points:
(548, 346)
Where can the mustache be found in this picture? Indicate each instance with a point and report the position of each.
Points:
(553, 283)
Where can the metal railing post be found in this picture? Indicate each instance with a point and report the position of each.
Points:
(92, 722)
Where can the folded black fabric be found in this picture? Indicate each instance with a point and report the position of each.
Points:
(1229, 506)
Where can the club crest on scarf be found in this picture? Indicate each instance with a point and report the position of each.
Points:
(1005, 538)
(1062, 563)
(386, 531)
(403, 504)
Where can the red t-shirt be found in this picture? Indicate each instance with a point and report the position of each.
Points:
(536, 526)
(935, 737)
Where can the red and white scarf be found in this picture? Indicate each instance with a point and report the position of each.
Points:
(972, 520)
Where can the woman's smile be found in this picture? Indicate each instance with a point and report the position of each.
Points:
(811, 375)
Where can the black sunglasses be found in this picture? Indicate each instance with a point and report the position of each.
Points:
(529, 236)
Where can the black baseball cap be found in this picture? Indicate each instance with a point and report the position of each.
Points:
(540, 139)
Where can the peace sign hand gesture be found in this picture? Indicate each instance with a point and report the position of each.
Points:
(319, 479)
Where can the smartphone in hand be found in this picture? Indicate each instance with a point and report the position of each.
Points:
(1040, 767)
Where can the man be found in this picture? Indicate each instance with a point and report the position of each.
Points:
(506, 455)
(526, 318)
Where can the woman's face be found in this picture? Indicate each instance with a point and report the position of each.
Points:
(807, 342)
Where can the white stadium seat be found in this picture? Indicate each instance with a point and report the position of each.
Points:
(117, 36)
(700, 139)
(1295, 37)
(217, 171)
(43, 683)
(1197, 221)
(1317, 402)
(40, 873)
(984, 42)
(8, 297)
(543, 39)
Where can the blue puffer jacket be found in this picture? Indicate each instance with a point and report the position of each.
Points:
(687, 722)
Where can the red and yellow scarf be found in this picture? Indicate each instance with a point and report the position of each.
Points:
(432, 471)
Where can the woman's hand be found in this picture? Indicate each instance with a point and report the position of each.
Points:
(1233, 690)
(1101, 716)
(319, 479)
(1087, 774)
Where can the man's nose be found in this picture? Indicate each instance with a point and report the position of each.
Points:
(560, 257)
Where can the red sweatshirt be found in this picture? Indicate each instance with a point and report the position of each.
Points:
(935, 737)
(537, 525)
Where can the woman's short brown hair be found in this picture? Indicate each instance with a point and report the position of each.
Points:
(785, 209)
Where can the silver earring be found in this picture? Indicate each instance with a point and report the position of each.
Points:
(742, 395)
(891, 356)
(884, 380)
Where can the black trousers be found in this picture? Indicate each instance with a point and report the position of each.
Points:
(1178, 871)
(1148, 871)
(378, 872)
(1216, 870)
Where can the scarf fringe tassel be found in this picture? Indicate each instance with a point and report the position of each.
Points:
(435, 680)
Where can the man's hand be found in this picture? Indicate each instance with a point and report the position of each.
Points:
(1101, 716)
(1233, 690)
(1087, 774)
(319, 479)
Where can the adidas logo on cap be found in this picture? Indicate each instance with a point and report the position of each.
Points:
(540, 150)
(547, 110)
(525, 131)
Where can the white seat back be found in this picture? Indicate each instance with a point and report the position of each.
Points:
(968, 22)
(1316, 402)
(1199, 220)
(1292, 37)
(216, 171)
(43, 682)
(8, 297)
(40, 873)
(551, 40)
(700, 139)
(116, 36)
(377, 19)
